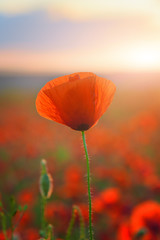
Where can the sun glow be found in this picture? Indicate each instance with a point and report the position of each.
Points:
(144, 57)
(126, 58)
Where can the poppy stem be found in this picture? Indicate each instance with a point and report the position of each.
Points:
(43, 221)
(89, 188)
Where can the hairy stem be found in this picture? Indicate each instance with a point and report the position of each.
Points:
(89, 188)
(43, 221)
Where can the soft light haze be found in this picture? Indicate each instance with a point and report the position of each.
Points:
(55, 36)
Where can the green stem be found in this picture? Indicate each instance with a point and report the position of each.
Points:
(81, 223)
(3, 219)
(16, 225)
(70, 227)
(89, 188)
(12, 231)
(43, 222)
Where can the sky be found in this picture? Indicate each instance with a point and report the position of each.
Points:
(70, 36)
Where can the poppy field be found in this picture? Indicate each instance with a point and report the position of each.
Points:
(124, 153)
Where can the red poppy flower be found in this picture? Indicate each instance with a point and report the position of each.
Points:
(146, 215)
(77, 100)
(124, 232)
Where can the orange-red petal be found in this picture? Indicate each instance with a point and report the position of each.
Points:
(77, 100)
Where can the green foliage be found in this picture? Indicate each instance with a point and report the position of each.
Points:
(3, 222)
(6, 216)
(62, 153)
(13, 206)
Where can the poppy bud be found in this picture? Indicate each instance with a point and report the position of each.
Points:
(46, 181)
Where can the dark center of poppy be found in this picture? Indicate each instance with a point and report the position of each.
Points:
(82, 127)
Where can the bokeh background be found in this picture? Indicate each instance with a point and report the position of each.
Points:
(120, 40)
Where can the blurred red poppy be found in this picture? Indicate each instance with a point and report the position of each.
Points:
(124, 232)
(77, 100)
(146, 216)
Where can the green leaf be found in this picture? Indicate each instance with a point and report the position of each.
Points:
(13, 206)
(3, 221)
(25, 207)
(20, 208)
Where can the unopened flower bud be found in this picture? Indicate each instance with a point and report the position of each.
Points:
(46, 181)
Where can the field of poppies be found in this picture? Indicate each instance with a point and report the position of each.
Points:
(124, 150)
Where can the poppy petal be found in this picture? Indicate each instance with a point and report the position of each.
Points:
(77, 100)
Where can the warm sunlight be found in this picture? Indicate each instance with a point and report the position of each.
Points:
(102, 36)
(144, 58)
(69, 69)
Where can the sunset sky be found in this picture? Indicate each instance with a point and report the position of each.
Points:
(69, 36)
